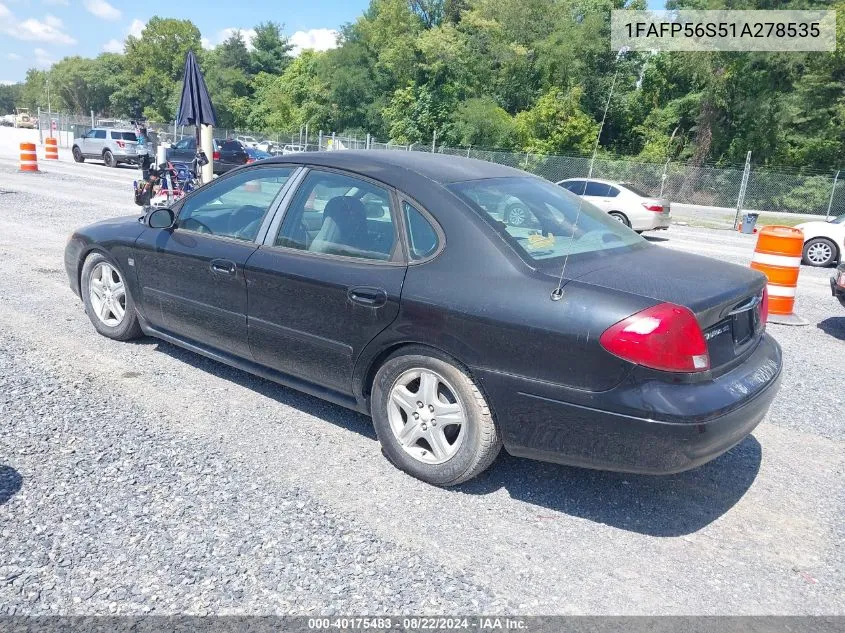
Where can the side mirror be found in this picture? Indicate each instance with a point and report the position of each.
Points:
(160, 218)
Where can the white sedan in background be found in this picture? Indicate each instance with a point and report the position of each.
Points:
(623, 201)
(824, 242)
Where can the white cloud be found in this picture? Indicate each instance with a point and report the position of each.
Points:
(113, 46)
(102, 9)
(50, 30)
(43, 59)
(317, 39)
(7, 82)
(56, 3)
(136, 28)
(206, 43)
(14, 57)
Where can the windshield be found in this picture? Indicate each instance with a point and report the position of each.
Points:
(539, 218)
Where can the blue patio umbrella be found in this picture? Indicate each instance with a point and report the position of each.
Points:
(195, 107)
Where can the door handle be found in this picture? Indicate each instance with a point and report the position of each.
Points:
(367, 296)
(225, 266)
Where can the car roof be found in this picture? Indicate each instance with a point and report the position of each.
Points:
(392, 166)
(598, 180)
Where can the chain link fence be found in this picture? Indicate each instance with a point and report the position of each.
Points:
(705, 195)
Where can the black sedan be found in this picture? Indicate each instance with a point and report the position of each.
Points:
(387, 282)
(837, 284)
(227, 154)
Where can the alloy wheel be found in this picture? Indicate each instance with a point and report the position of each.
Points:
(516, 216)
(819, 253)
(426, 417)
(107, 294)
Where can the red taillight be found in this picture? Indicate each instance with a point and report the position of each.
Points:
(250, 160)
(653, 206)
(665, 337)
(764, 307)
(120, 144)
(215, 155)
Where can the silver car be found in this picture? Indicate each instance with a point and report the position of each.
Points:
(623, 201)
(111, 145)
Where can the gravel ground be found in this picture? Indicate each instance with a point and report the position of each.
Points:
(142, 478)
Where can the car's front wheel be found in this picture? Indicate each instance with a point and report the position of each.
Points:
(107, 299)
(77, 154)
(109, 159)
(820, 252)
(431, 419)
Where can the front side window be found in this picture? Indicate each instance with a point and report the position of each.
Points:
(339, 215)
(575, 186)
(422, 238)
(235, 206)
(99, 134)
(561, 223)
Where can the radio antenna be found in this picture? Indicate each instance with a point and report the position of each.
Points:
(557, 293)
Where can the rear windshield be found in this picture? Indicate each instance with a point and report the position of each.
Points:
(124, 136)
(636, 190)
(543, 221)
(233, 146)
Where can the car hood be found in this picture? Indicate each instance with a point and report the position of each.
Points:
(706, 286)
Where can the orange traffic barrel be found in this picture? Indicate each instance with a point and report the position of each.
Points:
(29, 159)
(51, 151)
(778, 256)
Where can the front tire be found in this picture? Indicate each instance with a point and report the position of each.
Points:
(431, 419)
(819, 252)
(107, 299)
(109, 159)
(77, 154)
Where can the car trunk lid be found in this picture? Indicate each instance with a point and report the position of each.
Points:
(725, 298)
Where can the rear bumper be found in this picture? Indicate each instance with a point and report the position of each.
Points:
(678, 426)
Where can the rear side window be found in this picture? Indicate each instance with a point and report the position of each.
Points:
(335, 214)
(612, 192)
(596, 189)
(124, 136)
(99, 134)
(422, 238)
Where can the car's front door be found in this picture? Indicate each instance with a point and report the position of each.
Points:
(184, 150)
(192, 276)
(95, 142)
(327, 280)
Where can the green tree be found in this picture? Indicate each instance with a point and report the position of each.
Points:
(10, 97)
(482, 123)
(271, 49)
(557, 125)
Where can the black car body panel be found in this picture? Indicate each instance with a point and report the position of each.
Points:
(557, 394)
(836, 288)
(230, 154)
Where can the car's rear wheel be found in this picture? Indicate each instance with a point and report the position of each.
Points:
(820, 252)
(109, 159)
(77, 154)
(431, 419)
(620, 217)
(107, 299)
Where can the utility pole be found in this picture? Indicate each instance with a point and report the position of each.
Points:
(832, 192)
(743, 185)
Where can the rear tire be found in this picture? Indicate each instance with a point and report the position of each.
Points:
(108, 159)
(819, 252)
(620, 217)
(107, 299)
(447, 430)
(77, 154)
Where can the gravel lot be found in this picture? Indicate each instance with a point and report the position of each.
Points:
(141, 478)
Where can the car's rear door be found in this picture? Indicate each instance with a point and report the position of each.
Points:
(327, 279)
(192, 276)
(597, 194)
